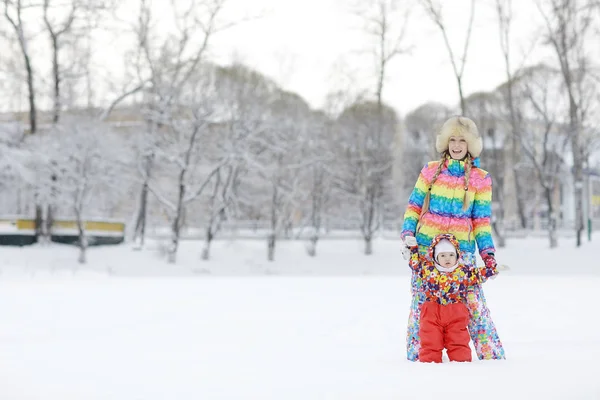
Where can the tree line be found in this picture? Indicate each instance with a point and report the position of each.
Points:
(189, 143)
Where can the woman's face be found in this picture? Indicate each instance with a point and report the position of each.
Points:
(457, 146)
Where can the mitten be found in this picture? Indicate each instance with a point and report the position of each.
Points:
(489, 260)
(491, 264)
(409, 241)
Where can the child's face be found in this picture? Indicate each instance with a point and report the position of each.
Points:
(446, 259)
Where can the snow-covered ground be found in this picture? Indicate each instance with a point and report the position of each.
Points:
(130, 327)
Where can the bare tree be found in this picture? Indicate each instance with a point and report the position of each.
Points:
(435, 13)
(544, 139)
(162, 68)
(56, 30)
(14, 11)
(242, 96)
(182, 149)
(86, 157)
(386, 22)
(279, 165)
(504, 13)
(186, 191)
(220, 201)
(319, 176)
(145, 160)
(486, 109)
(364, 159)
(569, 26)
(66, 23)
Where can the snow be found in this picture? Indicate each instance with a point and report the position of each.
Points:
(130, 326)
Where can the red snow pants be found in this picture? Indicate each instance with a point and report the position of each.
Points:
(444, 326)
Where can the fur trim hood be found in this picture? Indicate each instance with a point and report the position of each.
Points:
(460, 126)
(447, 236)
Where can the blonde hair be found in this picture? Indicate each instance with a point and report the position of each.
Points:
(438, 171)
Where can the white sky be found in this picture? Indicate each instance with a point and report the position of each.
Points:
(314, 46)
(303, 44)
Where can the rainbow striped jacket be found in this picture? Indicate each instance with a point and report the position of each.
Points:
(445, 213)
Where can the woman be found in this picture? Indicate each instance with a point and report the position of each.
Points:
(454, 196)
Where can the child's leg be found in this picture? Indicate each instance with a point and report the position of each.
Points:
(457, 337)
(481, 327)
(431, 334)
(413, 342)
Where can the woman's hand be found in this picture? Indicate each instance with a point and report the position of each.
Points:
(490, 261)
(409, 241)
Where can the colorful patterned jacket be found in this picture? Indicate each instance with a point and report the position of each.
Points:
(445, 213)
(447, 287)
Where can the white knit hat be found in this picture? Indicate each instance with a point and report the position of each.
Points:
(444, 246)
(462, 127)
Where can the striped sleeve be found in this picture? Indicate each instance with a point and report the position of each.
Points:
(415, 204)
(481, 217)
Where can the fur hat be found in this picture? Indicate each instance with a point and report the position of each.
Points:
(460, 126)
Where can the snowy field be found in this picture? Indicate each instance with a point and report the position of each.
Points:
(130, 327)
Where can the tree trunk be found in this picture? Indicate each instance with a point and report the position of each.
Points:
(312, 246)
(463, 103)
(368, 245)
(271, 247)
(551, 218)
(519, 195)
(368, 220)
(31, 95)
(587, 199)
(177, 221)
(207, 243)
(577, 168)
(498, 231)
(56, 76)
(514, 125)
(578, 172)
(82, 241)
(140, 224)
(498, 220)
(498, 225)
(49, 222)
(39, 221)
(498, 217)
(172, 252)
(317, 206)
(17, 24)
(52, 204)
(272, 237)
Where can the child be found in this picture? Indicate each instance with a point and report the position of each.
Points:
(444, 314)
